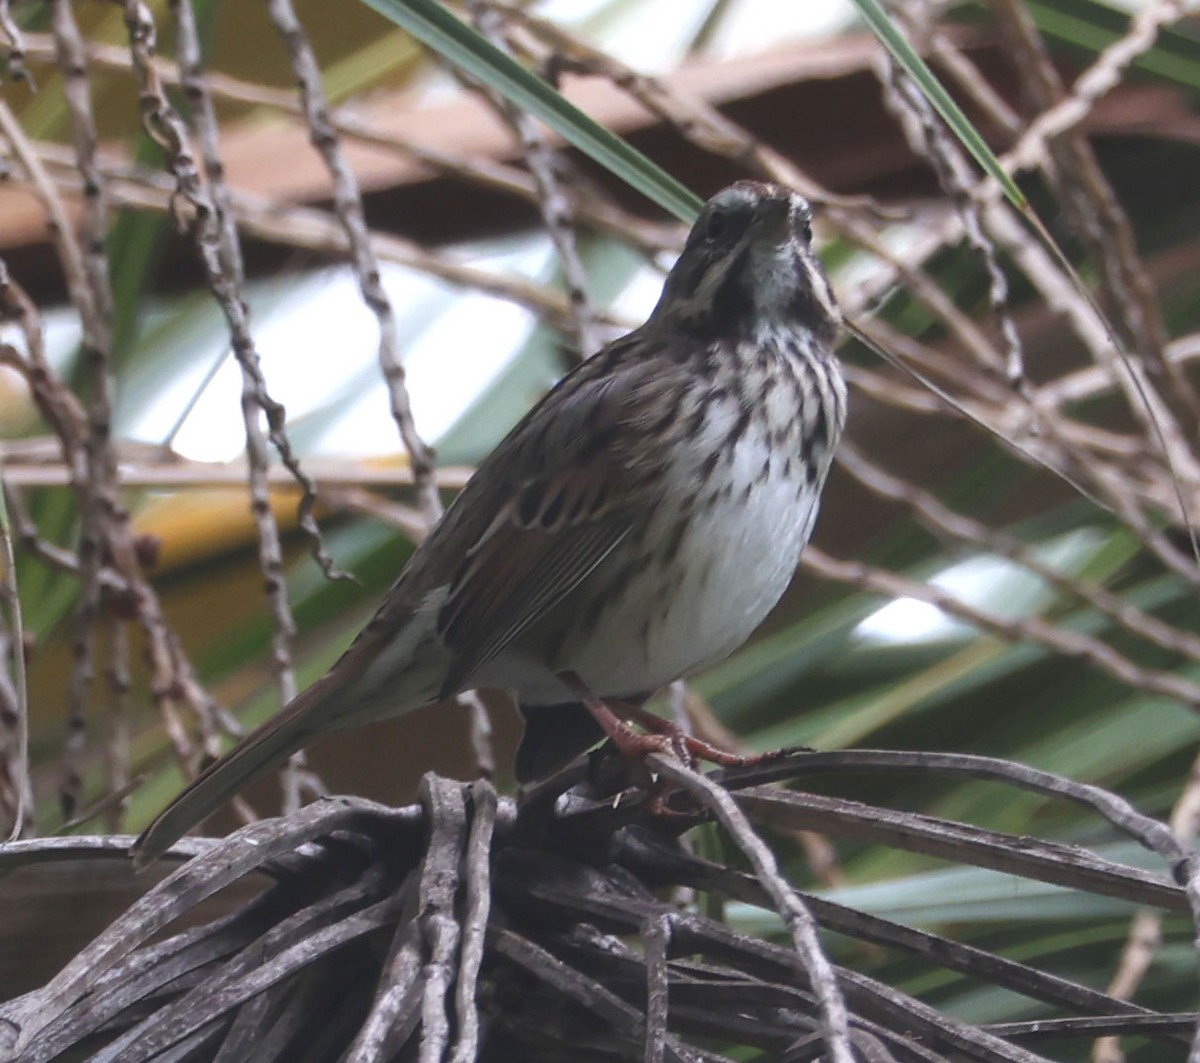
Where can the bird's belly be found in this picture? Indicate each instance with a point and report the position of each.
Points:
(688, 596)
(737, 561)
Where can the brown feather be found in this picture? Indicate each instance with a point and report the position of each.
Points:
(521, 569)
(266, 748)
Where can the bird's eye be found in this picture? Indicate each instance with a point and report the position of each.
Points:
(717, 225)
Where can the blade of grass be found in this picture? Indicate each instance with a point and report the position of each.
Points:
(1093, 27)
(456, 42)
(891, 38)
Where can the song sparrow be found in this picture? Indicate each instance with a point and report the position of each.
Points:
(634, 528)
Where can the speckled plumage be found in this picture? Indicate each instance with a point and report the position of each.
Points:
(634, 528)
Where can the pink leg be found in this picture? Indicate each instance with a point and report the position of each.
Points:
(665, 736)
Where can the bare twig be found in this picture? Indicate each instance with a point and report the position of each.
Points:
(348, 205)
(928, 135)
(71, 257)
(394, 1010)
(592, 210)
(477, 910)
(554, 201)
(217, 240)
(58, 405)
(446, 804)
(104, 519)
(1148, 832)
(1145, 930)
(945, 52)
(1072, 644)
(119, 683)
(940, 518)
(174, 681)
(479, 726)
(317, 230)
(296, 779)
(15, 56)
(35, 465)
(835, 1025)
(16, 789)
(656, 941)
(1093, 208)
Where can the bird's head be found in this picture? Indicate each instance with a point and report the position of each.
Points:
(748, 268)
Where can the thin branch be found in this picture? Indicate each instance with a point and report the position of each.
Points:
(104, 519)
(447, 811)
(479, 727)
(119, 685)
(70, 254)
(477, 858)
(317, 230)
(1146, 831)
(558, 213)
(1072, 644)
(16, 788)
(938, 517)
(592, 210)
(217, 240)
(642, 853)
(835, 1026)
(1093, 208)
(35, 466)
(928, 135)
(656, 942)
(16, 52)
(62, 410)
(349, 210)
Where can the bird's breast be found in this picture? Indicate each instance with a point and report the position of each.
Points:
(713, 554)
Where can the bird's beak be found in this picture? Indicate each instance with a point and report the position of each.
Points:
(773, 223)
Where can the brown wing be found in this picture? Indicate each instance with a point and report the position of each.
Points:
(546, 507)
(523, 568)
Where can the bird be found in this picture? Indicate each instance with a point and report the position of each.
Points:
(634, 528)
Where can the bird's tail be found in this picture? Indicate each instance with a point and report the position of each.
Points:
(259, 752)
(396, 664)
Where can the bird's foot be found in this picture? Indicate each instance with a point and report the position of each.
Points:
(659, 736)
(692, 750)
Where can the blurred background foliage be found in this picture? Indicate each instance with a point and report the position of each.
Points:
(1058, 632)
